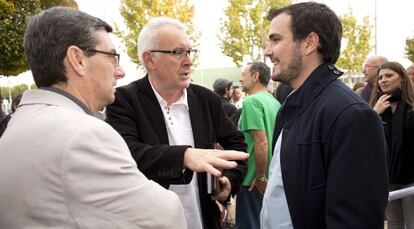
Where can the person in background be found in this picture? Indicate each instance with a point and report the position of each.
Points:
(324, 173)
(358, 87)
(257, 123)
(172, 126)
(15, 104)
(393, 100)
(61, 167)
(410, 71)
(223, 88)
(282, 92)
(237, 97)
(2, 127)
(370, 71)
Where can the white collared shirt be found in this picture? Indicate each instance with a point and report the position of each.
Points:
(179, 130)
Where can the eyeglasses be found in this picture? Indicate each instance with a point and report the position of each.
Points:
(115, 56)
(179, 52)
(371, 66)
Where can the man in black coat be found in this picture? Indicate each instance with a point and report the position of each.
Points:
(329, 163)
(171, 125)
(223, 88)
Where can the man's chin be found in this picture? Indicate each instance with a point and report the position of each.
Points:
(280, 78)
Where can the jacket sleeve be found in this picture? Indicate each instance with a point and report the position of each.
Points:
(107, 190)
(159, 162)
(231, 139)
(357, 180)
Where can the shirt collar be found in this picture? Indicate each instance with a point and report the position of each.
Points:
(182, 100)
(71, 97)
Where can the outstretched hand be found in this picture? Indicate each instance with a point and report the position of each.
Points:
(212, 160)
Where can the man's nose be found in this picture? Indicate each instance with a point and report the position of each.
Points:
(119, 72)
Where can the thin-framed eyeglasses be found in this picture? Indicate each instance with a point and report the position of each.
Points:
(371, 66)
(116, 56)
(178, 52)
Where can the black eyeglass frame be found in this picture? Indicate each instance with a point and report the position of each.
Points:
(177, 52)
(116, 55)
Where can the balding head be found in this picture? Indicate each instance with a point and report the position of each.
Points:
(371, 67)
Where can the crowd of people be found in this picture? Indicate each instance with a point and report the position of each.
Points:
(171, 154)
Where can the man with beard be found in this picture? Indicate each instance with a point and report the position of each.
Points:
(257, 123)
(324, 173)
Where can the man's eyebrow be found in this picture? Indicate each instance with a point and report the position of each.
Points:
(273, 35)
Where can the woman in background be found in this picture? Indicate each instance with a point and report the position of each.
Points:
(393, 99)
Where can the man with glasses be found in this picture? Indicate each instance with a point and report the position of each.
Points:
(370, 71)
(60, 166)
(172, 126)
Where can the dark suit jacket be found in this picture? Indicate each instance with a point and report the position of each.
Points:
(137, 116)
(333, 156)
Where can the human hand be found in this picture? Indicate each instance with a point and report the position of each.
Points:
(382, 104)
(260, 185)
(224, 189)
(212, 160)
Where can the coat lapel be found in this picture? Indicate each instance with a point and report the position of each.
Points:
(196, 117)
(153, 109)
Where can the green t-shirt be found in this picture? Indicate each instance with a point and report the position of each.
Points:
(258, 113)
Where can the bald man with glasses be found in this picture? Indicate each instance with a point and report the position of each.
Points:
(172, 126)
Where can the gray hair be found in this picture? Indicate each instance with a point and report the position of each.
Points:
(48, 36)
(147, 38)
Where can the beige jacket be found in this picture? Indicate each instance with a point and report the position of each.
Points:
(62, 168)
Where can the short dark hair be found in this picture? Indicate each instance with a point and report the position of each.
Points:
(315, 17)
(263, 70)
(48, 36)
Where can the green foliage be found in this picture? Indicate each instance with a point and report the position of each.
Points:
(46, 4)
(12, 28)
(138, 12)
(13, 17)
(357, 38)
(409, 48)
(244, 30)
(16, 90)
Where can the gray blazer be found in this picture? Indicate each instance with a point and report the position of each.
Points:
(62, 168)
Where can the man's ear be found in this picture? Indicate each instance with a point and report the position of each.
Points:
(148, 59)
(255, 77)
(311, 43)
(76, 60)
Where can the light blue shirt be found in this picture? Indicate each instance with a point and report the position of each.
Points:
(275, 211)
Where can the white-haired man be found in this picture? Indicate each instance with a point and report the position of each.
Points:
(171, 125)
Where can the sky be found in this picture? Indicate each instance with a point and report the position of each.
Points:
(393, 27)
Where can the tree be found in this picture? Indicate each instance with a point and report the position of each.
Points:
(409, 48)
(12, 28)
(46, 4)
(13, 17)
(245, 28)
(357, 39)
(138, 12)
(16, 90)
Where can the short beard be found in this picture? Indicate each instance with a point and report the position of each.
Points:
(293, 69)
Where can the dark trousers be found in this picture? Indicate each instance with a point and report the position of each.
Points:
(248, 207)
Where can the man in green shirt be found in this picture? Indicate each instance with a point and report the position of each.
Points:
(257, 123)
